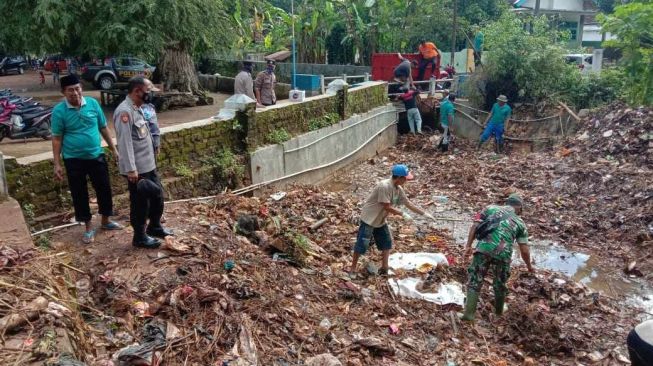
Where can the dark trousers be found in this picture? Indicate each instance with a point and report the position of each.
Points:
(641, 353)
(146, 202)
(423, 64)
(97, 170)
(477, 58)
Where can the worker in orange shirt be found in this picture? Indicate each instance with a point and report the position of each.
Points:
(429, 52)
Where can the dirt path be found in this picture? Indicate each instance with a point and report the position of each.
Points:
(28, 85)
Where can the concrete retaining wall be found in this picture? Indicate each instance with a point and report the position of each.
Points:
(359, 137)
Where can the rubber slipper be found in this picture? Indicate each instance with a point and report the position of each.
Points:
(112, 225)
(89, 237)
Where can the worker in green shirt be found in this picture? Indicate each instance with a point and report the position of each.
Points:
(447, 110)
(496, 228)
(494, 124)
(479, 39)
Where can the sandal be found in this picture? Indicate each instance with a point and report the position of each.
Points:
(89, 237)
(112, 225)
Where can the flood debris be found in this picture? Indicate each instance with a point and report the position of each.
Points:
(286, 299)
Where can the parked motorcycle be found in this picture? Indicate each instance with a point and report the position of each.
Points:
(21, 118)
(23, 126)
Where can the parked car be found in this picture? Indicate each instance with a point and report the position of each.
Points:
(48, 65)
(115, 70)
(12, 63)
(583, 61)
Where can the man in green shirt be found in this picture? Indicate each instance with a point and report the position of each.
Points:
(77, 124)
(447, 111)
(496, 229)
(479, 39)
(494, 124)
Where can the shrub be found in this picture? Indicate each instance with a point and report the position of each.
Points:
(278, 136)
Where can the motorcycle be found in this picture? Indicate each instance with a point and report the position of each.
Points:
(26, 125)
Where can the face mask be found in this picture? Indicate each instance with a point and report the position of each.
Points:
(270, 69)
(148, 97)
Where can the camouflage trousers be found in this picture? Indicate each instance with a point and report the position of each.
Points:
(481, 264)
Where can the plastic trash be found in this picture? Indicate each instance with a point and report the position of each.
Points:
(325, 324)
(334, 86)
(229, 265)
(146, 353)
(278, 196)
(441, 199)
(393, 329)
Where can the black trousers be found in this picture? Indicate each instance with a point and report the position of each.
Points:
(423, 65)
(97, 170)
(146, 202)
(477, 58)
(641, 353)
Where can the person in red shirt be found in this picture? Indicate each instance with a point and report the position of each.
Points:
(428, 52)
(42, 78)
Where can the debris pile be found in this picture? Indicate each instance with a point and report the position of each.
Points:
(593, 190)
(268, 308)
(262, 281)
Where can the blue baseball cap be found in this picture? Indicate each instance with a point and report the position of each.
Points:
(400, 170)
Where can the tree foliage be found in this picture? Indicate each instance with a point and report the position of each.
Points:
(526, 66)
(349, 31)
(633, 25)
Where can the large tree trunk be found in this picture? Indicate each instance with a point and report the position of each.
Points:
(178, 70)
(178, 75)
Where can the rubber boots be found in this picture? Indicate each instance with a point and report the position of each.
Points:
(478, 146)
(470, 306)
(499, 302)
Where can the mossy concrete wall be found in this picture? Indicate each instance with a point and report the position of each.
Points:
(189, 145)
(31, 181)
(295, 118)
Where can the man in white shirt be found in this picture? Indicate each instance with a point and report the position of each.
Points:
(244, 84)
(387, 195)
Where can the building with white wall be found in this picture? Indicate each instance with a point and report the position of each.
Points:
(577, 16)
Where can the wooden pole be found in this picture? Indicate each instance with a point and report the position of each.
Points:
(453, 35)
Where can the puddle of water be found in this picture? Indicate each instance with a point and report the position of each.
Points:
(587, 270)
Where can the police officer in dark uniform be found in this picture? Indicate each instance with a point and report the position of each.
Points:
(137, 163)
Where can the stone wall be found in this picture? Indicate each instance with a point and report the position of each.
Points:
(32, 184)
(365, 97)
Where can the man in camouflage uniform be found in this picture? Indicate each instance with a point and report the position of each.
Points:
(496, 229)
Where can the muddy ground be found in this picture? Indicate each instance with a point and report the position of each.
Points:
(28, 85)
(247, 281)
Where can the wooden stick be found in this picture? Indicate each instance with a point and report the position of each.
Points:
(30, 313)
(569, 111)
(2, 283)
(452, 316)
(72, 268)
(318, 224)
